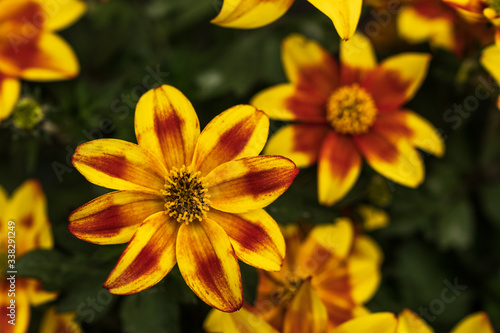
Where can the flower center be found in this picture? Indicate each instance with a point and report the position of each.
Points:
(351, 110)
(185, 194)
(286, 291)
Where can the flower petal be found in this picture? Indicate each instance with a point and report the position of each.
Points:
(343, 13)
(357, 58)
(299, 142)
(306, 312)
(372, 217)
(119, 165)
(23, 310)
(409, 322)
(36, 294)
(308, 64)
(167, 125)
(148, 257)
(397, 79)
(249, 14)
(238, 321)
(256, 238)
(364, 278)
(61, 14)
(59, 322)
(489, 59)
(366, 248)
(474, 323)
(411, 126)
(250, 183)
(398, 161)
(10, 88)
(238, 132)
(113, 218)
(209, 266)
(339, 168)
(382, 322)
(288, 102)
(44, 58)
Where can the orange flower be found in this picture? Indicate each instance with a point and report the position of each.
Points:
(185, 197)
(26, 211)
(249, 14)
(324, 281)
(29, 47)
(350, 112)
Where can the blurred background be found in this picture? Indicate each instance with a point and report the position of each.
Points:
(446, 232)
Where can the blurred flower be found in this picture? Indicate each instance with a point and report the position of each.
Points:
(248, 14)
(373, 218)
(409, 322)
(324, 280)
(27, 114)
(349, 112)
(54, 322)
(29, 47)
(490, 59)
(239, 321)
(185, 197)
(25, 217)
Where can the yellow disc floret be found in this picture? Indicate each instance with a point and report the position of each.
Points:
(351, 110)
(185, 194)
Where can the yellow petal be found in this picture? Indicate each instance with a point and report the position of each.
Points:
(409, 322)
(209, 266)
(61, 14)
(339, 168)
(250, 183)
(411, 126)
(120, 165)
(10, 88)
(249, 14)
(113, 218)
(357, 57)
(241, 321)
(255, 236)
(373, 218)
(382, 322)
(398, 161)
(148, 257)
(59, 322)
(238, 132)
(306, 312)
(22, 308)
(364, 278)
(299, 142)
(343, 13)
(475, 323)
(167, 125)
(36, 294)
(489, 59)
(366, 248)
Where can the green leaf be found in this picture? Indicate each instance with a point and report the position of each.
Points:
(489, 195)
(455, 226)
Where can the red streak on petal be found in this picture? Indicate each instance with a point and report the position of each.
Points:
(269, 181)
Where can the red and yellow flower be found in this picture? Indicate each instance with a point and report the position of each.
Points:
(249, 14)
(409, 322)
(184, 197)
(30, 227)
(324, 281)
(29, 47)
(490, 58)
(54, 322)
(349, 112)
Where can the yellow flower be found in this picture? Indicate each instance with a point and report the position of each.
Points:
(54, 322)
(29, 47)
(242, 320)
(324, 281)
(372, 217)
(409, 322)
(349, 112)
(30, 229)
(185, 197)
(490, 60)
(248, 14)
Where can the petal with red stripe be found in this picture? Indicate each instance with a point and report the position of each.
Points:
(113, 218)
(148, 257)
(250, 183)
(209, 266)
(357, 58)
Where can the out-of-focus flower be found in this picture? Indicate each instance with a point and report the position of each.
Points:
(54, 322)
(490, 59)
(479, 11)
(248, 14)
(29, 47)
(324, 281)
(236, 322)
(184, 197)
(373, 218)
(349, 112)
(409, 322)
(24, 226)
(27, 114)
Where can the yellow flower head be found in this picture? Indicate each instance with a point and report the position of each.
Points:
(348, 112)
(29, 47)
(185, 197)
